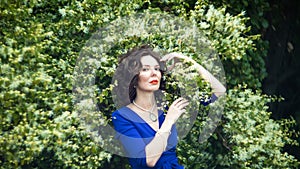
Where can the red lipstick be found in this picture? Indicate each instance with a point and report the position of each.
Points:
(154, 82)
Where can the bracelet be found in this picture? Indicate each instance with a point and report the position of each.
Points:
(160, 132)
(171, 121)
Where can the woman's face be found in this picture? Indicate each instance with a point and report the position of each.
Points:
(150, 75)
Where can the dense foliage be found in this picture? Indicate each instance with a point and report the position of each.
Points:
(40, 44)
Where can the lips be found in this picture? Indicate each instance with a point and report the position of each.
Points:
(154, 82)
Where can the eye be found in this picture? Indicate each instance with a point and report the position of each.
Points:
(145, 69)
(157, 68)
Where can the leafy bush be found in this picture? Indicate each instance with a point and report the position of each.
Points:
(257, 141)
(40, 43)
(246, 138)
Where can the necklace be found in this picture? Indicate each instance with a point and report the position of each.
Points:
(152, 116)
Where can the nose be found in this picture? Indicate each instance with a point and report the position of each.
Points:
(154, 72)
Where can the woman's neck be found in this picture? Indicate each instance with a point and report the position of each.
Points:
(145, 99)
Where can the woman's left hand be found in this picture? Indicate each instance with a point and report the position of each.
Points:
(177, 57)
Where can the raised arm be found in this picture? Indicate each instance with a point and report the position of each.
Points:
(217, 87)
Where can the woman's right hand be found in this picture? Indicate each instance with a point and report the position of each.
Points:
(176, 109)
(177, 57)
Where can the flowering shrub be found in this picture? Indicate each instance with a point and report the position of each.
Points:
(40, 126)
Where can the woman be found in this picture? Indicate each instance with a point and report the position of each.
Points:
(148, 136)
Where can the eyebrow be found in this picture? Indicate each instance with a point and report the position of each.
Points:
(154, 65)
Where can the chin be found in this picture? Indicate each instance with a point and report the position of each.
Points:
(153, 89)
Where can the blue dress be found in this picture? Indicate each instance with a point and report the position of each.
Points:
(134, 134)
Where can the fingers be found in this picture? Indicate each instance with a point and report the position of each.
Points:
(170, 67)
(167, 57)
(184, 104)
(181, 103)
(177, 100)
(173, 55)
(177, 108)
(176, 57)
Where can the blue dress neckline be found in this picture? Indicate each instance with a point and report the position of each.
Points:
(141, 120)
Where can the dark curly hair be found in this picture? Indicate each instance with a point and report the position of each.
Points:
(127, 73)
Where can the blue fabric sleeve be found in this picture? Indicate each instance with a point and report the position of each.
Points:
(212, 99)
(130, 138)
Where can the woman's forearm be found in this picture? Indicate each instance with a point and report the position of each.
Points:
(160, 141)
(217, 87)
(158, 144)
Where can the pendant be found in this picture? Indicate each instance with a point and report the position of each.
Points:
(153, 117)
